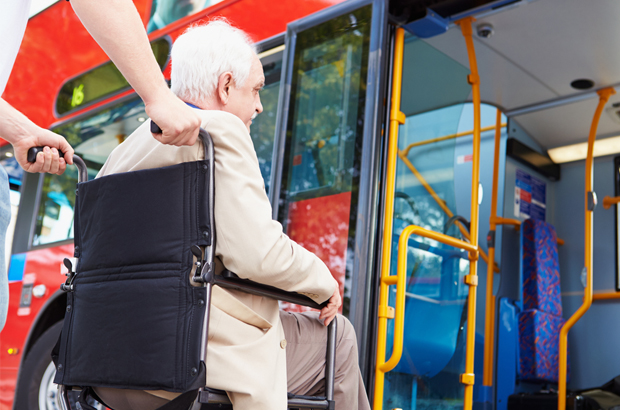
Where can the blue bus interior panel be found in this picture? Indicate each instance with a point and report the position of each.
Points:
(507, 348)
(430, 26)
(541, 319)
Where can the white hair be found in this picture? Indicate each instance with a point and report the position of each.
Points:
(204, 52)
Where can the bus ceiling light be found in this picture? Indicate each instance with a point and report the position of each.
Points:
(576, 152)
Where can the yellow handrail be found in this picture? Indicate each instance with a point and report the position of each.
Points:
(400, 280)
(396, 118)
(489, 317)
(441, 203)
(499, 220)
(608, 201)
(446, 137)
(437, 236)
(604, 95)
(605, 295)
(467, 378)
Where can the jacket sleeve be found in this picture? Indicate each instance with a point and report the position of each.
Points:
(249, 242)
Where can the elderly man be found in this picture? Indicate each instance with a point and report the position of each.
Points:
(255, 352)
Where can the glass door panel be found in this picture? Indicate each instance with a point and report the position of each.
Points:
(324, 129)
(433, 359)
(263, 129)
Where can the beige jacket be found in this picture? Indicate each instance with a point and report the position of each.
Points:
(246, 350)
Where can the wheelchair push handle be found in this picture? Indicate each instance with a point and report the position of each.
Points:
(77, 161)
(155, 128)
(32, 153)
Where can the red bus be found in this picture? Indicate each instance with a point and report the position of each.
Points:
(389, 146)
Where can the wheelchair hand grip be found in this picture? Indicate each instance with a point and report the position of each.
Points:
(155, 128)
(79, 163)
(32, 154)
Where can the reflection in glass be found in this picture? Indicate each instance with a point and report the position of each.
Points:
(94, 138)
(263, 128)
(433, 347)
(164, 12)
(318, 200)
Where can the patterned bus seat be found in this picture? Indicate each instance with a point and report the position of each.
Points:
(541, 320)
(541, 273)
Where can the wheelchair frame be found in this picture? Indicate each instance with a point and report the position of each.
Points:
(205, 276)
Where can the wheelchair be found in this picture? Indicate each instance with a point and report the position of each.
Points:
(139, 288)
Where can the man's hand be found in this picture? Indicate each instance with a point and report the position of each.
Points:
(23, 134)
(329, 312)
(48, 160)
(179, 123)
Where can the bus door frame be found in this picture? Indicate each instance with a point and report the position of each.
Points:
(363, 307)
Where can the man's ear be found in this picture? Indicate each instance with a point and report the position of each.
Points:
(225, 82)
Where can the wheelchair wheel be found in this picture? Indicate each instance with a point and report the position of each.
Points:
(35, 388)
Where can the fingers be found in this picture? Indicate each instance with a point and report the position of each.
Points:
(48, 161)
(179, 123)
(328, 315)
(68, 152)
(185, 137)
(330, 311)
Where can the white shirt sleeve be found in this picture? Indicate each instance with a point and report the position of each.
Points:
(13, 20)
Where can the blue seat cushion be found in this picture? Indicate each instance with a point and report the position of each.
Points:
(539, 346)
(541, 275)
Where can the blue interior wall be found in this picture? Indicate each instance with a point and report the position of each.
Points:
(509, 279)
(593, 342)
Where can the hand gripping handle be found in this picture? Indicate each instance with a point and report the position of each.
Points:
(155, 128)
(77, 161)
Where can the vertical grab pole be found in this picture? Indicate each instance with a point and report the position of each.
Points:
(489, 325)
(396, 118)
(467, 378)
(590, 202)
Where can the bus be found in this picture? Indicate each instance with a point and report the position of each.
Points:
(438, 155)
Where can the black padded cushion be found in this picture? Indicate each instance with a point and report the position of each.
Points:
(133, 320)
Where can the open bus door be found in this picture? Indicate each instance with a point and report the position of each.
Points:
(434, 184)
(429, 251)
(324, 184)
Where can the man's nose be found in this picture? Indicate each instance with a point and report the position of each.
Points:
(259, 106)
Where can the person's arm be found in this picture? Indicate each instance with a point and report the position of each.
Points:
(23, 134)
(249, 242)
(117, 27)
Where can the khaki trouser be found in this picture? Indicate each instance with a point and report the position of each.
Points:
(306, 339)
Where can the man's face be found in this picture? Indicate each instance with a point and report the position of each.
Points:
(244, 101)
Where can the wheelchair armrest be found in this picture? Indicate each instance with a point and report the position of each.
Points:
(229, 280)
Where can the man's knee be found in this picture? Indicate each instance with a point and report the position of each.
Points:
(347, 338)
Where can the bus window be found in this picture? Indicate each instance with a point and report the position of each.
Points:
(93, 138)
(318, 199)
(164, 12)
(263, 127)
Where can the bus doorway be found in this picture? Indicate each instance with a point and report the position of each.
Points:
(433, 191)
